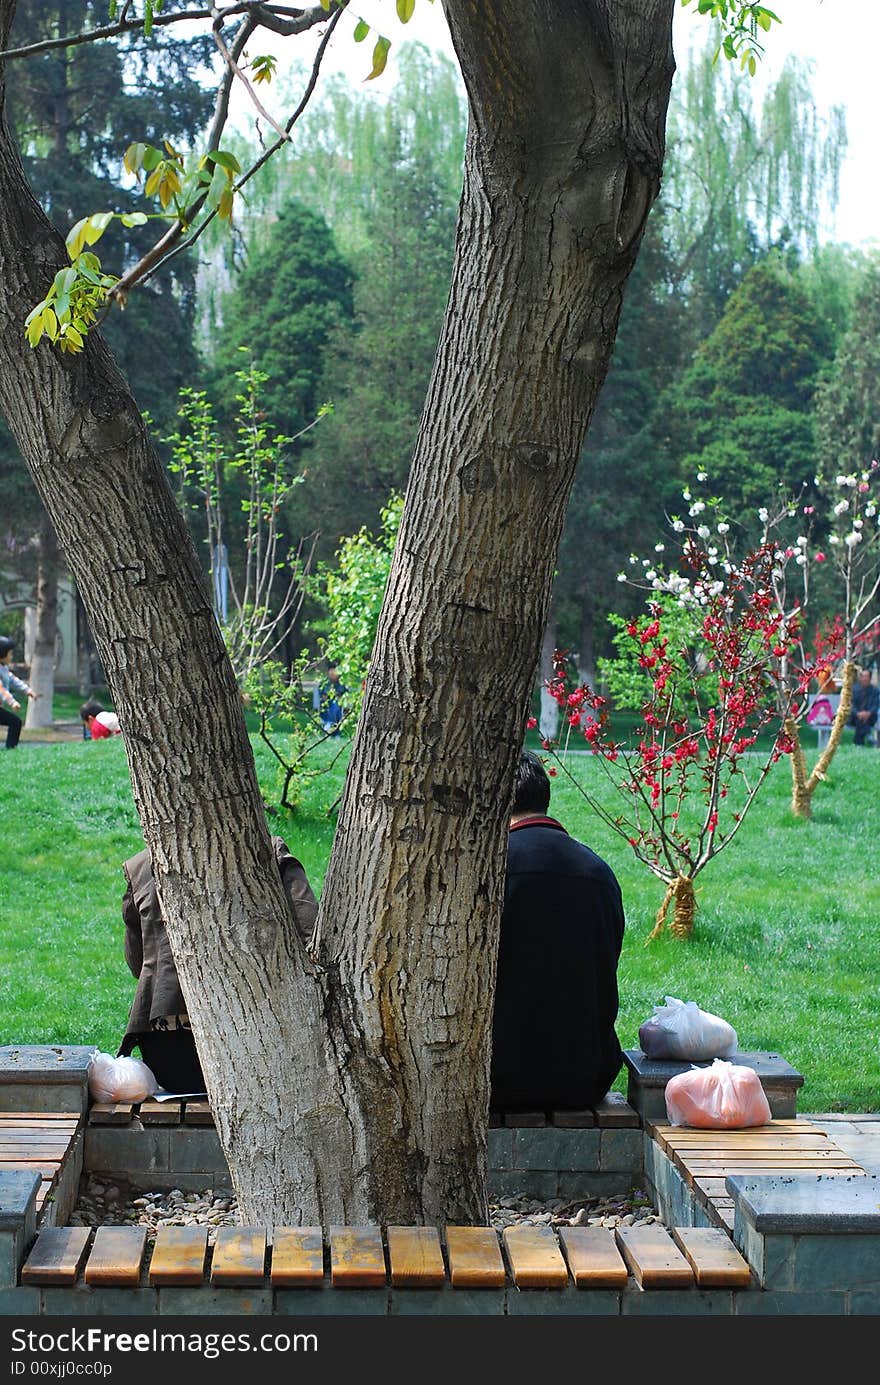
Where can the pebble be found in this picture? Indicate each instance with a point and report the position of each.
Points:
(119, 1204)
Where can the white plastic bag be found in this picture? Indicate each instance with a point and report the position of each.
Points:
(680, 1029)
(725, 1096)
(120, 1079)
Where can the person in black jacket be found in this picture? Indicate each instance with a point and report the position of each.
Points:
(554, 1045)
(865, 705)
(158, 1023)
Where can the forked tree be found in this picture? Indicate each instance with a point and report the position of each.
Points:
(350, 1080)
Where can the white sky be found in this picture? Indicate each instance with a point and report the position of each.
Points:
(841, 37)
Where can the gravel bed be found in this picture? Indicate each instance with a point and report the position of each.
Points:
(121, 1204)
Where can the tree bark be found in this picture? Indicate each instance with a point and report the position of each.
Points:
(802, 786)
(548, 721)
(41, 675)
(353, 1085)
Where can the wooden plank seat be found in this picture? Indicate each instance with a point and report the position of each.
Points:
(587, 1257)
(713, 1257)
(415, 1257)
(56, 1255)
(653, 1257)
(111, 1112)
(704, 1158)
(38, 1142)
(117, 1256)
(239, 1256)
(535, 1259)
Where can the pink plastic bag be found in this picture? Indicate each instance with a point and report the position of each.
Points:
(724, 1096)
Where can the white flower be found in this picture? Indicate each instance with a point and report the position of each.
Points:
(621, 576)
(646, 562)
(841, 506)
(802, 541)
(801, 559)
(703, 530)
(870, 511)
(857, 524)
(777, 574)
(702, 475)
(678, 525)
(724, 528)
(659, 547)
(763, 515)
(650, 574)
(852, 539)
(817, 481)
(685, 495)
(632, 560)
(834, 538)
(716, 589)
(840, 480)
(779, 556)
(697, 508)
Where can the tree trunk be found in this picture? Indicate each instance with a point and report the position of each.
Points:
(42, 670)
(680, 894)
(802, 787)
(354, 1087)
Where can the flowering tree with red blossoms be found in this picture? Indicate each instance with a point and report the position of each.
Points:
(710, 698)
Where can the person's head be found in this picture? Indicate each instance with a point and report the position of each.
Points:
(89, 710)
(333, 673)
(6, 649)
(864, 676)
(532, 790)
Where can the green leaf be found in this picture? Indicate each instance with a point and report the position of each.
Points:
(134, 218)
(225, 160)
(405, 10)
(362, 28)
(380, 58)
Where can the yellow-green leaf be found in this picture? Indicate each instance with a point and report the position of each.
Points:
(380, 57)
(405, 10)
(224, 206)
(361, 30)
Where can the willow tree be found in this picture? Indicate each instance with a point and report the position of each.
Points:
(349, 1078)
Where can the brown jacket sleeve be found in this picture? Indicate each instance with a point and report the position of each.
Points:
(300, 896)
(134, 943)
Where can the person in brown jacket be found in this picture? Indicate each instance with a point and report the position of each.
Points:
(158, 1023)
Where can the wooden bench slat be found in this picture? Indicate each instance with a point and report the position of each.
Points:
(475, 1260)
(654, 1258)
(21, 1121)
(614, 1111)
(56, 1255)
(239, 1256)
(536, 1262)
(117, 1256)
(49, 1169)
(197, 1113)
(357, 1257)
(297, 1257)
(160, 1112)
(593, 1257)
(416, 1257)
(111, 1113)
(179, 1255)
(573, 1120)
(63, 1116)
(525, 1120)
(714, 1259)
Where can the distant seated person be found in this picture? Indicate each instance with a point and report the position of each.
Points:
(330, 706)
(158, 1023)
(96, 722)
(554, 1046)
(865, 702)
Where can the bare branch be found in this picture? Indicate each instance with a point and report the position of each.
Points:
(299, 22)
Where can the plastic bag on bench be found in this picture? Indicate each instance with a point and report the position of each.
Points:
(680, 1029)
(724, 1096)
(120, 1079)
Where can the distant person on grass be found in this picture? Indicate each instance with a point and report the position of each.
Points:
(158, 1023)
(9, 686)
(98, 723)
(554, 1046)
(865, 702)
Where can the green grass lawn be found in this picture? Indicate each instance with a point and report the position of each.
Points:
(786, 946)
